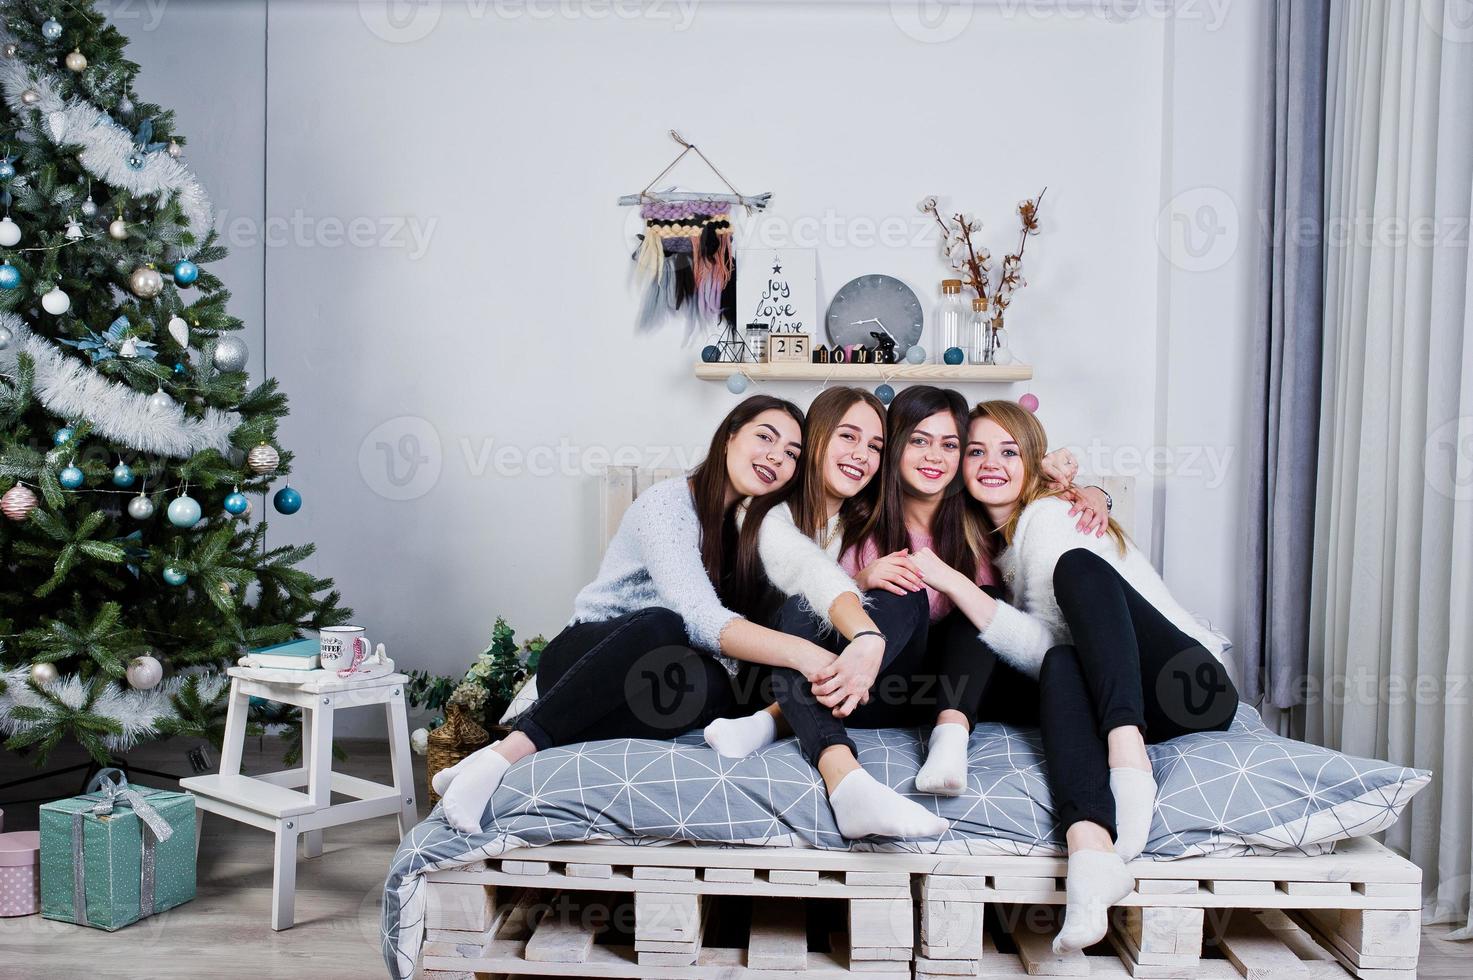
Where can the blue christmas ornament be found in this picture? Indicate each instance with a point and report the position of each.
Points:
(185, 272)
(51, 29)
(178, 367)
(7, 170)
(135, 160)
(710, 353)
(236, 503)
(71, 476)
(885, 394)
(954, 355)
(915, 355)
(9, 276)
(174, 576)
(736, 383)
(287, 501)
(184, 511)
(62, 436)
(122, 475)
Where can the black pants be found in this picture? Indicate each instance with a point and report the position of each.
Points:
(904, 621)
(630, 677)
(1128, 665)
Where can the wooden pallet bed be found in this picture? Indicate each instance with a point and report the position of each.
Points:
(772, 913)
(610, 910)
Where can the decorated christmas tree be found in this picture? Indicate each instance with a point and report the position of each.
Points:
(132, 568)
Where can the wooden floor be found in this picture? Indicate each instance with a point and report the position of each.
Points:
(224, 932)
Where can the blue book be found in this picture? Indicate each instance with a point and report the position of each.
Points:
(291, 655)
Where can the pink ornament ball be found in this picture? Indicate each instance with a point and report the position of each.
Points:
(1029, 401)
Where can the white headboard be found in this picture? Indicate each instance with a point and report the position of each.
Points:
(621, 484)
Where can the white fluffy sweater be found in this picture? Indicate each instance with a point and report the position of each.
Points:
(797, 565)
(1022, 633)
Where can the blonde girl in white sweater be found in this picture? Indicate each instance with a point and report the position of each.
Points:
(1095, 640)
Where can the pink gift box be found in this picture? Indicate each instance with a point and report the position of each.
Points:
(20, 873)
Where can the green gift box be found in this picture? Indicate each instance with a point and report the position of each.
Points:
(116, 854)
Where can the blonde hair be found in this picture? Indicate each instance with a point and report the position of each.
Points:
(1032, 442)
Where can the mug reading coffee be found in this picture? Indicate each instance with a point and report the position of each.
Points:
(343, 648)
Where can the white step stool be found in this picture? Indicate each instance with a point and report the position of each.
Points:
(274, 802)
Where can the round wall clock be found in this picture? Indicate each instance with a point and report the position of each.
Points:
(875, 303)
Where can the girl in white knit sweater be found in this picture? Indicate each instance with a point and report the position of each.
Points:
(880, 638)
(1093, 640)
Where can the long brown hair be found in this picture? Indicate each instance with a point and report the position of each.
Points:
(737, 576)
(1032, 442)
(948, 531)
(806, 497)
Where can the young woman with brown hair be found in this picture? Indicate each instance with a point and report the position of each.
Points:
(879, 637)
(1094, 642)
(654, 640)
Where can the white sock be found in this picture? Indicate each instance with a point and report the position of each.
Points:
(737, 738)
(442, 779)
(945, 771)
(865, 807)
(1096, 881)
(1135, 804)
(470, 790)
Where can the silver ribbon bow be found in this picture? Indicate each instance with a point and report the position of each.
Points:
(114, 790)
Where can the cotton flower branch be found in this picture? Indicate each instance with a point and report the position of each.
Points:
(974, 262)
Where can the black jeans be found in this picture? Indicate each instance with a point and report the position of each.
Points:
(1128, 665)
(630, 677)
(904, 621)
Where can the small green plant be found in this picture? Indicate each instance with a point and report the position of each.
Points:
(499, 671)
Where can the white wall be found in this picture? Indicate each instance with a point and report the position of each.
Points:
(485, 315)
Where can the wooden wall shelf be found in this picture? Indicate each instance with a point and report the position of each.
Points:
(842, 373)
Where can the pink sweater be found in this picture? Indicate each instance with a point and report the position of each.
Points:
(857, 558)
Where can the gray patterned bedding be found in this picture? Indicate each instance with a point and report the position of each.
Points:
(1243, 791)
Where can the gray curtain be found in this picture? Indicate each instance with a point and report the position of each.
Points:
(1284, 427)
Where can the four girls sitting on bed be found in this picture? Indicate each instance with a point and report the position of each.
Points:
(869, 569)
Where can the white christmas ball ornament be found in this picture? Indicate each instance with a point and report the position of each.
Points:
(44, 673)
(144, 673)
(76, 61)
(184, 511)
(9, 232)
(18, 502)
(159, 402)
(140, 508)
(231, 354)
(146, 282)
(56, 302)
(118, 228)
(263, 459)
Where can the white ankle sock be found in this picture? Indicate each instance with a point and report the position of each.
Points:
(865, 807)
(945, 771)
(442, 779)
(736, 738)
(1097, 880)
(471, 788)
(1135, 805)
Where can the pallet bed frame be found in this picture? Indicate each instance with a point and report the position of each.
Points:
(1354, 912)
(554, 910)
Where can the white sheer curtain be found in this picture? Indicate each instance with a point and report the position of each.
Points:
(1391, 632)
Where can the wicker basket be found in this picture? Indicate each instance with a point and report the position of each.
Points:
(451, 742)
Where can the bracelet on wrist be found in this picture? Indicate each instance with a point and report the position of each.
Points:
(868, 633)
